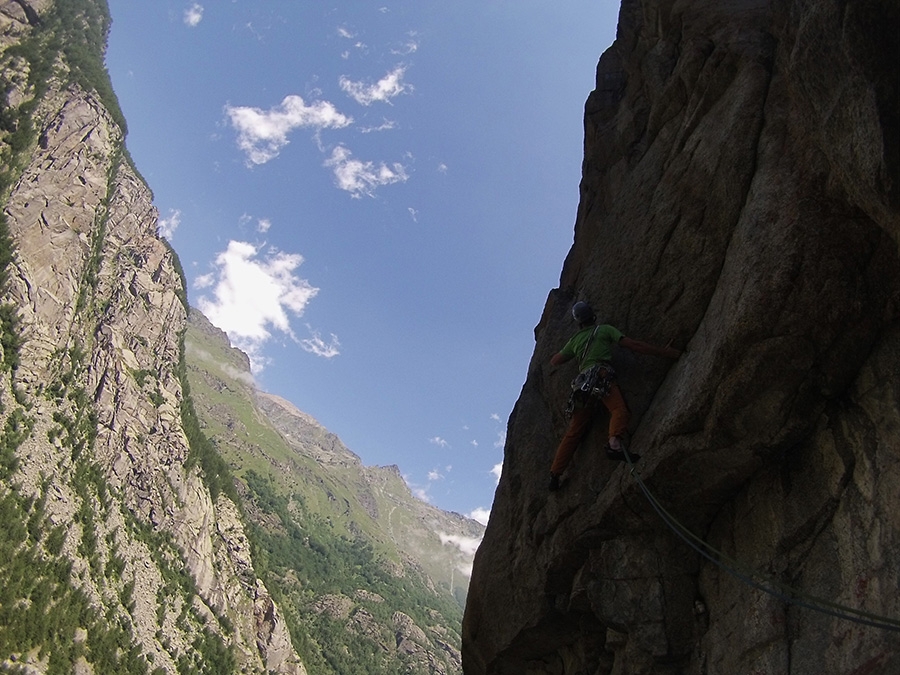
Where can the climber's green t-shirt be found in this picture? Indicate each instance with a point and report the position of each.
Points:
(600, 348)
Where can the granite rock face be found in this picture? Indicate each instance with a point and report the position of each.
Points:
(740, 196)
(98, 397)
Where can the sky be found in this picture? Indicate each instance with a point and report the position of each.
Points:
(373, 199)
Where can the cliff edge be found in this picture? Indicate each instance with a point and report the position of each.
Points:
(740, 195)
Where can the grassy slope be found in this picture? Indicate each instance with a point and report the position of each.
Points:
(324, 526)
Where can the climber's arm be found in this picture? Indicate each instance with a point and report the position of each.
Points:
(667, 352)
(559, 358)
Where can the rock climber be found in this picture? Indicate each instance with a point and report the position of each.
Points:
(596, 383)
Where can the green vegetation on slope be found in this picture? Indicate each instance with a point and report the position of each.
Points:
(73, 33)
(313, 544)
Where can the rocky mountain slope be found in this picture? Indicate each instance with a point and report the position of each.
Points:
(303, 490)
(740, 195)
(116, 555)
(126, 544)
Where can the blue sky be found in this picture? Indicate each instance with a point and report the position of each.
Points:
(372, 199)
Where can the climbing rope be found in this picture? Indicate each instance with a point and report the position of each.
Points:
(781, 591)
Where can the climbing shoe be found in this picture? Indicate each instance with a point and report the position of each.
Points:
(554, 483)
(619, 455)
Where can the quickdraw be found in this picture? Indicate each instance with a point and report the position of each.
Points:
(594, 382)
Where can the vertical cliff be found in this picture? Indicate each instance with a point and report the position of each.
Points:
(116, 555)
(740, 195)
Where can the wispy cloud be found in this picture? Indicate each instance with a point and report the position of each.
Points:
(362, 178)
(466, 545)
(316, 345)
(255, 290)
(263, 133)
(230, 371)
(438, 441)
(409, 47)
(193, 15)
(388, 87)
(387, 125)
(166, 226)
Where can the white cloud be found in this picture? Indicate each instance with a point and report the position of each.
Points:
(205, 280)
(495, 417)
(316, 345)
(362, 178)
(229, 370)
(466, 545)
(388, 87)
(263, 225)
(166, 226)
(409, 47)
(387, 125)
(440, 442)
(263, 133)
(466, 570)
(481, 514)
(254, 292)
(497, 469)
(434, 475)
(345, 33)
(193, 15)
(501, 439)
(473, 443)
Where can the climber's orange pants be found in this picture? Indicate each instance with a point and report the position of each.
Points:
(581, 422)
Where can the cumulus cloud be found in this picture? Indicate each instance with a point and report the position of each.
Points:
(497, 469)
(255, 290)
(193, 15)
(481, 514)
(362, 178)
(263, 133)
(166, 226)
(388, 87)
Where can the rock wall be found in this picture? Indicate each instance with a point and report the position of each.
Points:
(741, 196)
(105, 453)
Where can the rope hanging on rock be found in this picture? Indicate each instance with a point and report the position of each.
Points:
(781, 591)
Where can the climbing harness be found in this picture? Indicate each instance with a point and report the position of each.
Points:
(596, 380)
(781, 591)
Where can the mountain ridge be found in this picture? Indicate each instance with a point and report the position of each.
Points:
(128, 545)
